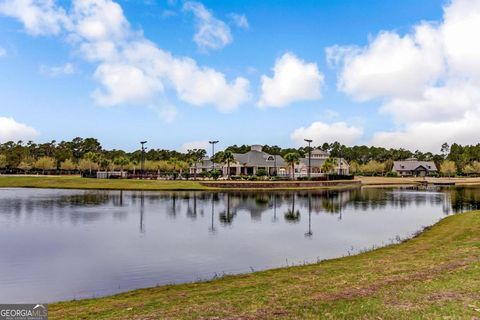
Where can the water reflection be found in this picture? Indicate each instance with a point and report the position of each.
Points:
(81, 205)
(96, 242)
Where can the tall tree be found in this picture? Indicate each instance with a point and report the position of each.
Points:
(228, 158)
(292, 159)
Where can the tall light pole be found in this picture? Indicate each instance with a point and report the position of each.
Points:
(142, 159)
(309, 141)
(213, 153)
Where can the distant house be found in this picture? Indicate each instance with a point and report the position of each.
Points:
(251, 162)
(414, 167)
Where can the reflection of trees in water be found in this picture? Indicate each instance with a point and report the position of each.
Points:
(226, 216)
(78, 206)
(464, 198)
(292, 215)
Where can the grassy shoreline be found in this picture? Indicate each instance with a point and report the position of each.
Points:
(76, 182)
(434, 275)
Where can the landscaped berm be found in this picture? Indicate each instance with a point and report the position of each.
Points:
(435, 275)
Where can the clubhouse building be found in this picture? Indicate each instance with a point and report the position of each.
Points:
(251, 162)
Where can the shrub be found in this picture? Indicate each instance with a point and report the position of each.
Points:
(215, 174)
(262, 173)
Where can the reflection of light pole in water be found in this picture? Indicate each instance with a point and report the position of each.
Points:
(275, 208)
(142, 204)
(212, 227)
(195, 204)
(121, 198)
(309, 233)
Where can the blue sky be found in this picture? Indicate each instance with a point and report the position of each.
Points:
(52, 88)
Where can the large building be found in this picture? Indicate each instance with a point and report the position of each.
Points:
(251, 162)
(413, 167)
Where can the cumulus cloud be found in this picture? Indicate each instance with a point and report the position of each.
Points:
(129, 68)
(321, 132)
(428, 79)
(11, 130)
(39, 17)
(240, 20)
(55, 71)
(211, 33)
(293, 80)
(200, 144)
(3, 52)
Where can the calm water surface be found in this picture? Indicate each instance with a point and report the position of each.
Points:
(65, 244)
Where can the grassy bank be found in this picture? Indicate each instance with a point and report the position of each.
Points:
(435, 275)
(76, 182)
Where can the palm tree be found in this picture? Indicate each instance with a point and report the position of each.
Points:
(92, 158)
(196, 155)
(328, 165)
(292, 159)
(121, 162)
(134, 165)
(227, 158)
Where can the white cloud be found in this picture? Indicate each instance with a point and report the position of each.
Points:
(3, 52)
(40, 17)
(390, 64)
(293, 80)
(428, 79)
(129, 68)
(124, 83)
(240, 20)
(201, 144)
(11, 130)
(55, 71)
(321, 132)
(429, 136)
(211, 33)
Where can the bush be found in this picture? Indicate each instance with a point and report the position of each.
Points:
(252, 178)
(392, 174)
(262, 173)
(215, 174)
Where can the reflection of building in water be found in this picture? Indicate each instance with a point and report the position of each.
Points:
(255, 204)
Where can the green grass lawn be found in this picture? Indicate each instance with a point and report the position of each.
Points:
(76, 182)
(433, 276)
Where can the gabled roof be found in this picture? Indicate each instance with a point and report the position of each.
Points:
(412, 165)
(256, 158)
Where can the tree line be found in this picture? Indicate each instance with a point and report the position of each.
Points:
(87, 154)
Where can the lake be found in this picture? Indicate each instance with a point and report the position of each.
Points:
(71, 244)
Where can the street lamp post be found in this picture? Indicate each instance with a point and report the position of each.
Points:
(142, 160)
(213, 153)
(309, 141)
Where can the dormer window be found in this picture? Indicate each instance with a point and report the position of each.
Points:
(270, 158)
